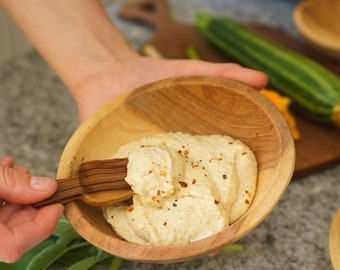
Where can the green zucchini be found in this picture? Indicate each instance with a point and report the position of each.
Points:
(314, 89)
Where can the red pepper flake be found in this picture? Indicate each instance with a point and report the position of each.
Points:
(220, 158)
(224, 176)
(179, 151)
(186, 152)
(150, 171)
(183, 184)
(247, 201)
(217, 202)
(194, 181)
(158, 192)
(165, 223)
(129, 209)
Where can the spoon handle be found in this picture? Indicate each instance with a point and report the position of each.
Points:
(90, 183)
(68, 190)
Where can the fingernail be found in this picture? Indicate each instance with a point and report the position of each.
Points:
(42, 183)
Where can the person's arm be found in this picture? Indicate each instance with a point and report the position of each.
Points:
(75, 36)
(21, 226)
(93, 58)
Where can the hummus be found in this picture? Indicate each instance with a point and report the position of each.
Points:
(185, 188)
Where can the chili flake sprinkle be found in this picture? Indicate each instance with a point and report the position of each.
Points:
(217, 201)
(183, 184)
(155, 199)
(130, 209)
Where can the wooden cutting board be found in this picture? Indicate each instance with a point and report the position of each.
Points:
(319, 147)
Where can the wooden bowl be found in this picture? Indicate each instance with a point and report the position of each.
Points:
(318, 23)
(196, 105)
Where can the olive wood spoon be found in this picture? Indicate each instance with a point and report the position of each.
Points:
(334, 241)
(98, 182)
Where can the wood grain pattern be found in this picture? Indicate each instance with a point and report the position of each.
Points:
(196, 105)
(318, 22)
(319, 147)
(334, 241)
(97, 182)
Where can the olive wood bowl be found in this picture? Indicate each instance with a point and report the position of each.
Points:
(195, 105)
(318, 23)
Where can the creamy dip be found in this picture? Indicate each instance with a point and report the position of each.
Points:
(185, 188)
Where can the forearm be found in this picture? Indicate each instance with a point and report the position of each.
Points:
(94, 60)
(76, 37)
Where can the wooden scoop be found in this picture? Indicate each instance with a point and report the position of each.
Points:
(97, 182)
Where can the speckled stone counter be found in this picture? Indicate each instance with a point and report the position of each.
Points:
(38, 115)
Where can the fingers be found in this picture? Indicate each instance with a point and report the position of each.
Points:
(27, 228)
(184, 67)
(231, 71)
(17, 186)
(7, 162)
(254, 78)
(21, 226)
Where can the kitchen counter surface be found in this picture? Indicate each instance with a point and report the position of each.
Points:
(38, 115)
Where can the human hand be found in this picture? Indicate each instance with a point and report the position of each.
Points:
(112, 80)
(94, 60)
(22, 226)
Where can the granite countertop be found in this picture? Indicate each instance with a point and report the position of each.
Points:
(38, 115)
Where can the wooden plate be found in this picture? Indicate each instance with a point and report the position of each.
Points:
(196, 105)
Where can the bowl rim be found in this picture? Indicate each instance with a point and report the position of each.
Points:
(313, 37)
(143, 253)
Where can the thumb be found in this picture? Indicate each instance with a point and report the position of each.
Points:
(20, 187)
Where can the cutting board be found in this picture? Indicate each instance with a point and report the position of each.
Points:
(319, 146)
